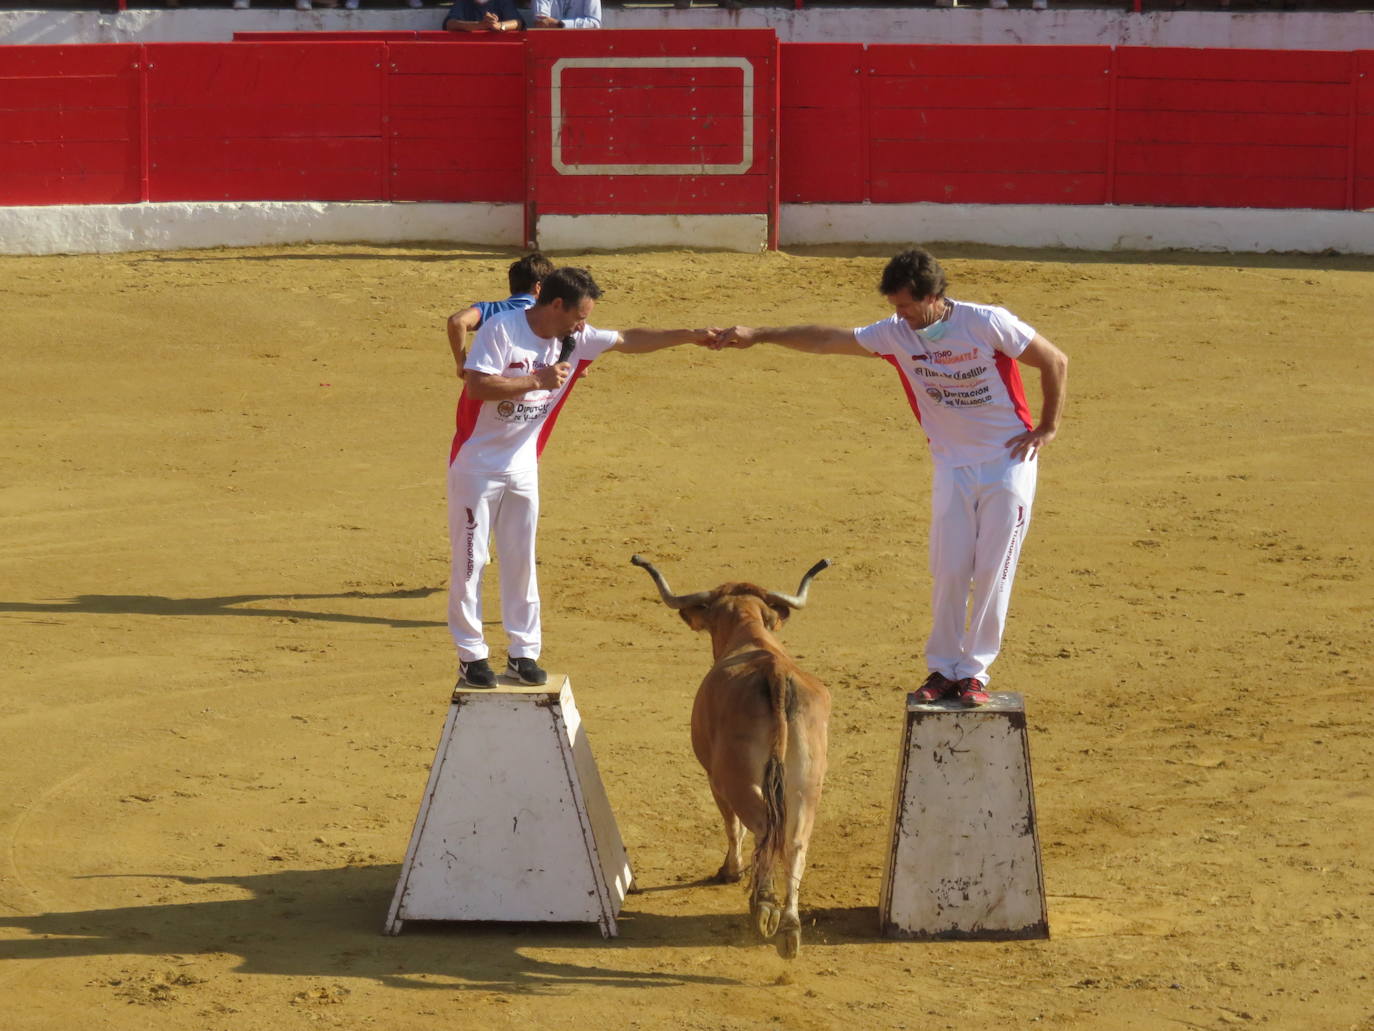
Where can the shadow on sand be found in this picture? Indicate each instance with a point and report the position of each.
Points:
(327, 923)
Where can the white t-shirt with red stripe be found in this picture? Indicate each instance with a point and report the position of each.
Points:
(965, 388)
(508, 436)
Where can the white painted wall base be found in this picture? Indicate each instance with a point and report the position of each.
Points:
(618, 232)
(963, 859)
(975, 24)
(514, 824)
(105, 228)
(1239, 230)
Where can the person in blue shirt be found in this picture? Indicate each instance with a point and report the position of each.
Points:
(566, 14)
(483, 15)
(524, 277)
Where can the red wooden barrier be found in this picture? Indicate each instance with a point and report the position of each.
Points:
(1234, 128)
(650, 122)
(70, 124)
(457, 127)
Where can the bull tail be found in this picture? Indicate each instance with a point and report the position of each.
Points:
(768, 848)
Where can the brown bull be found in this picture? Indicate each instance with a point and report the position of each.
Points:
(759, 729)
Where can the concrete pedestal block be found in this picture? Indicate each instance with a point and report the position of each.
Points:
(963, 858)
(515, 824)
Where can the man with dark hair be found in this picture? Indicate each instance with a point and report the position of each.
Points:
(523, 276)
(521, 368)
(958, 363)
(483, 16)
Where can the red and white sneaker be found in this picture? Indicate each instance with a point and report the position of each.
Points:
(971, 692)
(937, 686)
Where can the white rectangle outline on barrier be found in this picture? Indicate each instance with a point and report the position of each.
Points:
(556, 103)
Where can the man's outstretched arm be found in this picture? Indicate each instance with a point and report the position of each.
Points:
(643, 341)
(808, 339)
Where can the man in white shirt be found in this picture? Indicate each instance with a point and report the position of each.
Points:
(566, 14)
(522, 366)
(959, 366)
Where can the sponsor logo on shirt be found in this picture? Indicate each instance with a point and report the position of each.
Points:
(950, 358)
(523, 411)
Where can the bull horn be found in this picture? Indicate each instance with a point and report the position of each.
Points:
(799, 599)
(673, 601)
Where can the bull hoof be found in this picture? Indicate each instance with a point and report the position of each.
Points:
(766, 917)
(724, 876)
(789, 938)
(789, 943)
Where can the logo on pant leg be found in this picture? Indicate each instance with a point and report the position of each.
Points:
(471, 528)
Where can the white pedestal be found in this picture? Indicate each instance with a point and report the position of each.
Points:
(515, 824)
(964, 857)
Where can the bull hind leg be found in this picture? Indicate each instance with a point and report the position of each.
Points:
(794, 863)
(732, 869)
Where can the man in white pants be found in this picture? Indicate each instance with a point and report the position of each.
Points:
(515, 386)
(958, 363)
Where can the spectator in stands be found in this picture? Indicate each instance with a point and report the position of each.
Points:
(483, 16)
(566, 14)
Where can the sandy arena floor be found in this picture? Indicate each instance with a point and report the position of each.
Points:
(221, 626)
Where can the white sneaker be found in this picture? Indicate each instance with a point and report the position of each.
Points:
(350, 5)
(240, 5)
(1040, 5)
(302, 5)
(997, 5)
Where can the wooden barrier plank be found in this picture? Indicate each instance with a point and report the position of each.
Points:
(473, 54)
(27, 126)
(267, 184)
(999, 156)
(457, 155)
(496, 95)
(1234, 65)
(303, 156)
(1000, 127)
(947, 61)
(80, 61)
(65, 157)
(893, 97)
(451, 123)
(470, 187)
(1243, 161)
(988, 188)
(68, 92)
(43, 188)
(1229, 191)
(1299, 98)
(1216, 127)
(209, 74)
(265, 120)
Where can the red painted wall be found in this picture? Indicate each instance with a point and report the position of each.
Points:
(429, 116)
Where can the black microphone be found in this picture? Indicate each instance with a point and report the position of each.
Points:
(565, 352)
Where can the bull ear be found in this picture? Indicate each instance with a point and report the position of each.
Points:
(694, 616)
(776, 615)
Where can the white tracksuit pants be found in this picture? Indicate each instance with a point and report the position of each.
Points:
(504, 506)
(979, 517)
